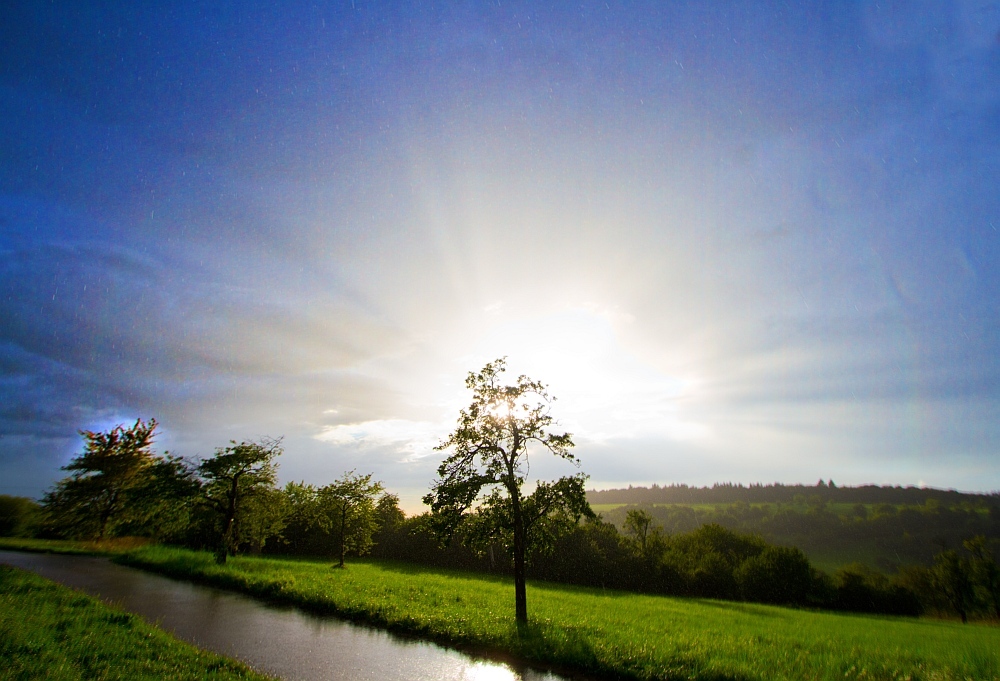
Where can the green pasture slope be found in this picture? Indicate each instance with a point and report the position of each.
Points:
(616, 634)
(48, 631)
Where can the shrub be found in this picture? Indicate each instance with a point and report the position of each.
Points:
(18, 516)
(779, 574)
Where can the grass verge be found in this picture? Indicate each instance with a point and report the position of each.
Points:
(611, 633)
(49, 631)
(113, 546)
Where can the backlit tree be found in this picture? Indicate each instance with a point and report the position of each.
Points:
(481, 484)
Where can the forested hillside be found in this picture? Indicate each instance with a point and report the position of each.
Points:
(728, 493)
(882, 527)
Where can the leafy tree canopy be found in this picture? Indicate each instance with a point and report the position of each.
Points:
(481, 484)
(350, 511)
(18, 515)
(102, 490)
(232, 481)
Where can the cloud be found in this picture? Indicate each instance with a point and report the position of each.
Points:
(764, 239)
(414, 439)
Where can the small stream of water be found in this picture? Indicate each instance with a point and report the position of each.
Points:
(282, 641)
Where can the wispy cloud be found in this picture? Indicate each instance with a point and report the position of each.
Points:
(747, 241)
(413, 439)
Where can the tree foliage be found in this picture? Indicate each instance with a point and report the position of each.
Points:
(303, 533)
(481, 483)
(388, 513)
(263, 516)
(235, 482)
(647, 536)
(104, 490)
(985, 571)
(338, 519)
(886, 536)
(953, 574)
(507, 525)
(349, 511)
(778, 574)
(18, 516)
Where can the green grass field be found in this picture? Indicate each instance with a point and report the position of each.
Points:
(613, 633)
(48, 631)
(604, 508)
(83, 548)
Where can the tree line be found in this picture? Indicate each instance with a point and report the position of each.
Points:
(716, 562)
(227, 503)
(825, 490)
(709, 562)
(230, 502)
(484, 517)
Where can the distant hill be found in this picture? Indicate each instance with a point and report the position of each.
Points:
(882, 527)
(728, 493)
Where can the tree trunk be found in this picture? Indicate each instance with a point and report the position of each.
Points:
(343, 527)
(227, 533)
(994, 591)
(520, 593)
(223, 551)
(105, 518)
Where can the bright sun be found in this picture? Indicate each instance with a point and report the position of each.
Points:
(603, 390)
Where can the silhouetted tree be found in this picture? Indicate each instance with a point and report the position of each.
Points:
(303, 531)
(953, 574)
(985, 571)
(389, 518)
(488, 468)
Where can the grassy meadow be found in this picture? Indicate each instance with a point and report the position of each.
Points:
(93, 547)
(612, 633)
(49, 631)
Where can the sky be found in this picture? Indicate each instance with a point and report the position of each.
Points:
(739, 241)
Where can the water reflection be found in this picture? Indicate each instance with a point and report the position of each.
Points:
(281, 641)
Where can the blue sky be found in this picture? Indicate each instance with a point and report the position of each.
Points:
(740, 241)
